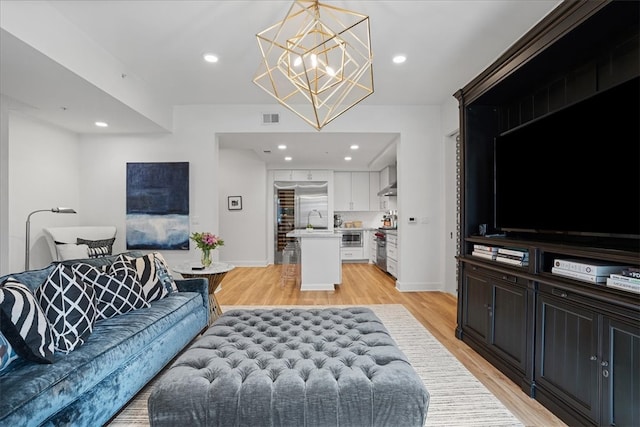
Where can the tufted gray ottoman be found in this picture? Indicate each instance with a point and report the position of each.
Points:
(291, 367)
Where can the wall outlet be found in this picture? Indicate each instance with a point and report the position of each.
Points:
(412, 220)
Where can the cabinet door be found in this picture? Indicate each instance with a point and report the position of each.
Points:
(509, 322)
(620, 373)
(567, 353)
(360, 191)
(342, 191)
(476, 294)
(496, 315)
(282, 175)
(374, 187)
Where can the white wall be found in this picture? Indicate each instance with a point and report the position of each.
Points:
(242, 173)
(4, 183)
(94, 179)
(43, 173)
(451, 124)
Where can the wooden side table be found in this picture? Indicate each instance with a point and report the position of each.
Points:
(214, 274)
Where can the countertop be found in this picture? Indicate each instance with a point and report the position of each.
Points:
(313, 234)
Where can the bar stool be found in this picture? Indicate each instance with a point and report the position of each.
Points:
(290, 263)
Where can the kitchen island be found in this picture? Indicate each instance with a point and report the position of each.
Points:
(320, 263)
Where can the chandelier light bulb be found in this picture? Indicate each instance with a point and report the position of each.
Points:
(297, 62)
(331, 71)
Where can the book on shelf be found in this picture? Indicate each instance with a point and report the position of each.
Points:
(572, 274)
(595, 268)
(522, 253)
(511, 261)
(484, 254)
(620, 284)
(623, 278)
(493, 249)
(631, 272)
(516, 257)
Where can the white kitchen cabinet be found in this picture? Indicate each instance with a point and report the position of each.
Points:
(311, 175)
(392, 254)
(392, 267)
(320, 265)
(351, 191)
(301, 175)
(374, 187)
(282, 175)
(352, 254)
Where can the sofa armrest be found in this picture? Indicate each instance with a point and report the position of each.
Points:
(195, 284)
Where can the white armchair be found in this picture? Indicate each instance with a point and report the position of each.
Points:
(70, 236)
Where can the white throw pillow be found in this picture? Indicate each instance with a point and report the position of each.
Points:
(72, 251)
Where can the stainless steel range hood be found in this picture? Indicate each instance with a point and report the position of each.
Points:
(388, 181)
(391, 190)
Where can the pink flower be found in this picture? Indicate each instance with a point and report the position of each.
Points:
(207, 240)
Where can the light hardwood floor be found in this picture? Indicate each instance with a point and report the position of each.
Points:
(365, 284)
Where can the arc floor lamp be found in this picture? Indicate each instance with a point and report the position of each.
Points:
(28, 237)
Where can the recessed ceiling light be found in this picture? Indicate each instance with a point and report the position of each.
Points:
(210, 57)
(102, 124)
(282, 147)
(399, 59)
(354, 147)
(288, 158)
(348, 159)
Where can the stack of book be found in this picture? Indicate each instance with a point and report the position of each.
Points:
(628, 279)
(488, 252)
(588, 271)
(518, 257)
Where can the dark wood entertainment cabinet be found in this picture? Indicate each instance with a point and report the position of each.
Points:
(572, 345)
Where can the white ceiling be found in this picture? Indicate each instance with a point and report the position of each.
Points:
(161, 43)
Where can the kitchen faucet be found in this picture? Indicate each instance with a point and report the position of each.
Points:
(309, 217)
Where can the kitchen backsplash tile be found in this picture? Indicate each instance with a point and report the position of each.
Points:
(369, 219)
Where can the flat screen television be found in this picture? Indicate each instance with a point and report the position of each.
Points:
(576, 171)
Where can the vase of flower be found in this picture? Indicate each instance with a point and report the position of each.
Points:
(207, 242)
(206, 258)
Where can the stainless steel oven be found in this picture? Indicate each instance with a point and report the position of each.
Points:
(381, 250)
(352, 239)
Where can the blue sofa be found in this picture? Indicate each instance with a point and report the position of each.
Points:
(89, 385)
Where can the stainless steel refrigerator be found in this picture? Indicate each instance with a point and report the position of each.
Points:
(298, 204)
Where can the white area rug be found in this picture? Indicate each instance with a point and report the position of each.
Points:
(457, 397)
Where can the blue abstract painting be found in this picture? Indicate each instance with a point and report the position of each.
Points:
(158, 205)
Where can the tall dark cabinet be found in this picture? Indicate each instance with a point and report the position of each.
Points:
(571, 344)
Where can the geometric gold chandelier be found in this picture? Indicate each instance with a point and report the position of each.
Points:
(317, 61)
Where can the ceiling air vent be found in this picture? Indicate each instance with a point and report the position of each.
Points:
(270, 118)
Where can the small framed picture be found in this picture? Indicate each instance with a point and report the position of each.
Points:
(234, 203)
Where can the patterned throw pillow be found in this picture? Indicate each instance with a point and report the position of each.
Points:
(164, 273)
(23, 323)
(68, 304)
(117, 292)
(98, 248)
(7, 354)
(147, 271)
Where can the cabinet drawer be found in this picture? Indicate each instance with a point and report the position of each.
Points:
(392, 267)
(352, 253)
(392, 252)
(506, 277)
(392, 239)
